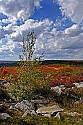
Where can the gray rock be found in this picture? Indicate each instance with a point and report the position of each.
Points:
(4, 115)
(79, 85)
(21, 107)
(26, 102)
(76, 84)
(7, 84)
(26, 113)
(58, 115)
(57, 89)
(49, 110)
(12, 107)
(46, 115)
(24, 105)
(33, 113)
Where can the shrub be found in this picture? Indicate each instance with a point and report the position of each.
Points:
(29, 81)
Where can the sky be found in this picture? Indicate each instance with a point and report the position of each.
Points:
(58, 27)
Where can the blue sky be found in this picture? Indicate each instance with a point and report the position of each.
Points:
(58, 26)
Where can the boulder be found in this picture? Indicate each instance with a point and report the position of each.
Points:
(58, 115)
(33, 113)
(79, 85)
(57, 89)
(24, 105)
(46, 115)
(26, 102)
(21, 107)
(4, 116)
(26, 113)
(12, 107)
(49, 110)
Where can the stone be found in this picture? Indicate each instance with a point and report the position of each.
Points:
(24, 105)
(21, 107)
(26, 113)
(46, 115)
(76, 84)
(57, 89)
(79, 85)
(58, 115)
(26, 102)
(4, 115)
(49, 110)
(33, 113)
(76, 103)
(7, 84)
(12, 107)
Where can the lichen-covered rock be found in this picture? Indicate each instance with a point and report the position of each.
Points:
(21, 106)
(49, 110)
(57, 89)
(33, 113)
(26, 113)
(24, 105)
(4, 116)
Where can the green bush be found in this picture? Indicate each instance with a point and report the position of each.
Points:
(28, 82)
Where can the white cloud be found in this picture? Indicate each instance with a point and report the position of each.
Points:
(19, 9)
(13, 34)
(67, 44)
(72, 9)
(74, 30)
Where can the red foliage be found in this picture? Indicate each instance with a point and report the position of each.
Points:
(57, 72)
(8, 70)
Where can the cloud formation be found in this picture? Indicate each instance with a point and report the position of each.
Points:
(57, 44)
(19, 9)
(72, 9)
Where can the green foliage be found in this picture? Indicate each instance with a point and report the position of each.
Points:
(40, 120)
(28, 82)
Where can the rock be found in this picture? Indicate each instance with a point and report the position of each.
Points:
(57, 89)
(58, 115)
(12, 97)
(76, 103)
(2, 81)
(29, 112)
(76, 84)
(26, 102)
(26, 113)
(24, 105)
(46, 115)
(12, 107)
(33, 113)
(21, 106)
(49, 110)
(79, 85)
(7, 84)
(4, 115)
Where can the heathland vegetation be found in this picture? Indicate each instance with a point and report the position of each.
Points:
(60, 83)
